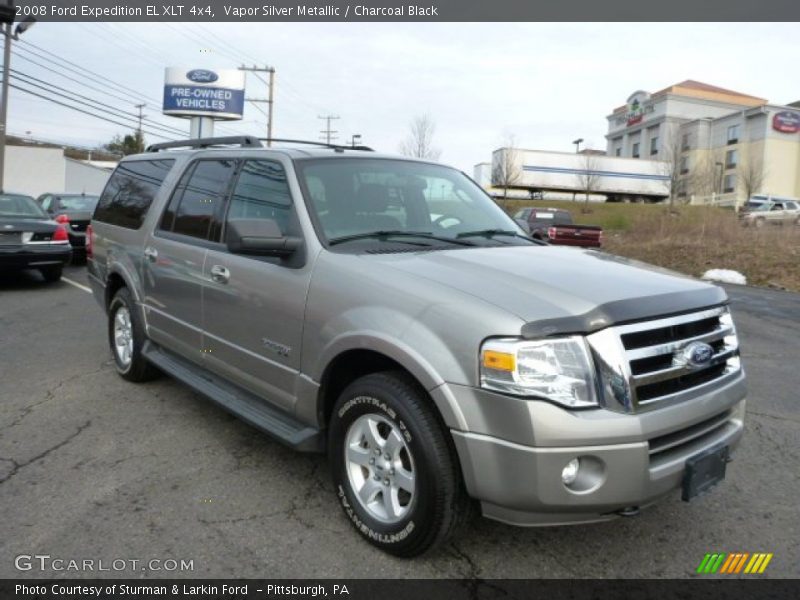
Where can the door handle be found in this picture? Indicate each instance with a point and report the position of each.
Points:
(151, 254)
(220, 274)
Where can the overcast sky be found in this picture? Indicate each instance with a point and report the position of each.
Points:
(546, 83)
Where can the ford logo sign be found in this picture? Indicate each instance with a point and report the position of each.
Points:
(202, 76)
(694, 355)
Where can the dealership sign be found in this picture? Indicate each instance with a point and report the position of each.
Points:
(786, 122)
(204, 93)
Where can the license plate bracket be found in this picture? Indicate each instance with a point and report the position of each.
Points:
(704, 471)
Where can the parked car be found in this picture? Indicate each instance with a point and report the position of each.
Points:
(29, 239)
(436, 360)
(773, 213)
(73, 211)
(556, 227)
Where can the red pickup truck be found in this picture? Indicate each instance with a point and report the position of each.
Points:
(556, 227)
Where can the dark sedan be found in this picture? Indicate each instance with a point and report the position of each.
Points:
(30, 239)
(73, 211)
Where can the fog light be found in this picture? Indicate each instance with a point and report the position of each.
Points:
(570, 472)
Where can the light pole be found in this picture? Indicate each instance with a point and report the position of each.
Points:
(577, 143)
(7, 13)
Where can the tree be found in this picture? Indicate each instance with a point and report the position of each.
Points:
(589, 174)
(506, 165)
(129, 144)
(750, 174)
(419, 140)
(672, 164)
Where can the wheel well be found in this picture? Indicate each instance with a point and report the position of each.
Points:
(346, 368)
(113, 285)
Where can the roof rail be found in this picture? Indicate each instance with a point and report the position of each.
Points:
(244, 141)
(337, 147)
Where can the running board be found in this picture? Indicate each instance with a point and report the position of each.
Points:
(239, 402)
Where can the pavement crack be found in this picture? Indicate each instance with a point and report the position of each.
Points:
(18, 466)
(770, 416)
(472, 580)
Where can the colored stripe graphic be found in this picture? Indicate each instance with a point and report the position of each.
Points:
(734, 563)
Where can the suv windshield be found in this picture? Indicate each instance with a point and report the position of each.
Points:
(22, 207)
(78, 203)
(399, 201)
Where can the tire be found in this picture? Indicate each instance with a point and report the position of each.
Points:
(52, 274)
(130, 363)
(403, 418)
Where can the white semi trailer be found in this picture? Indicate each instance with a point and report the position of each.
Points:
(543, 173)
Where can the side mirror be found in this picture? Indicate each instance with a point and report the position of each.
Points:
(261, 237)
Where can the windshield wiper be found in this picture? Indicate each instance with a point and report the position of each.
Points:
(383, 234)
(491, 233)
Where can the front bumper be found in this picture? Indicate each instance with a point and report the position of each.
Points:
(632, 459)
(33, 256)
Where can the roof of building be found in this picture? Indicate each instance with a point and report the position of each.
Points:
(697, 89)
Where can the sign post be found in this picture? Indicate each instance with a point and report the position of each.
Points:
(204, 96)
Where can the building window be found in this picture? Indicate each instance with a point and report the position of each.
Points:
(618, 152)
(684, 165)
(729, 183)
(682, 188)
(731, 159)
(653, 145)
(685, 145)
(733, 134)
(635, 153)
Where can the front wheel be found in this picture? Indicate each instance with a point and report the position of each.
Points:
(395, 472)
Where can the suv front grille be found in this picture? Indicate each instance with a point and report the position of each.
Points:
(645, 363)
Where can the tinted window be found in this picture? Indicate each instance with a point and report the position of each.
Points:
(16, 205)
(199, 198)
(130, 191)
(261, 192)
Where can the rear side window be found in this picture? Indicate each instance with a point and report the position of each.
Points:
(130, 192)
(195, 206)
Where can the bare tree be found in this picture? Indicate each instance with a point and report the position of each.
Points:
(673, 165)
(506, 165)
(419, 140)
(750, 174)
(589, 174)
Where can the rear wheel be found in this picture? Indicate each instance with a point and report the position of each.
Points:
(396, 475)
(52, 274)
(126, 338)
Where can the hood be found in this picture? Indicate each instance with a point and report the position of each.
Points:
(557, 289)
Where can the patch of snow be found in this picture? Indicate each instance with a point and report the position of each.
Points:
(725, 276)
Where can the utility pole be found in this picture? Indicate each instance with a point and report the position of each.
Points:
(4, 106)
(7, 16)
(329, 134)
(139, 135)
(269, 100)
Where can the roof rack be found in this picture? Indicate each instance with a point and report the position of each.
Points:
(337, 147)
(243, 141)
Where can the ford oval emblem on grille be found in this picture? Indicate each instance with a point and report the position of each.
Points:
(696, 354)
(202, 76)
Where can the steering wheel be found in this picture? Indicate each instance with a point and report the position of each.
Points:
(446, 221)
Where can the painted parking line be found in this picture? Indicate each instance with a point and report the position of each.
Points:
(80, 286)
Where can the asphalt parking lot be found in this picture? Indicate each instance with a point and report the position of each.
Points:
(93, 467)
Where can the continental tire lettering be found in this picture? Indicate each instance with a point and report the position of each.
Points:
(366, 530)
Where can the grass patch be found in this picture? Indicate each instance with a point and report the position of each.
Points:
(692, 239)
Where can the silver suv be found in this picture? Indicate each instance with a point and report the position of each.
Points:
(386, 311)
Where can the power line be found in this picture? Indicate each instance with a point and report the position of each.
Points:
(86, 112)
(49, 87)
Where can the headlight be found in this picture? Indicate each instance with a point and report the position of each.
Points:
(559, 369)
